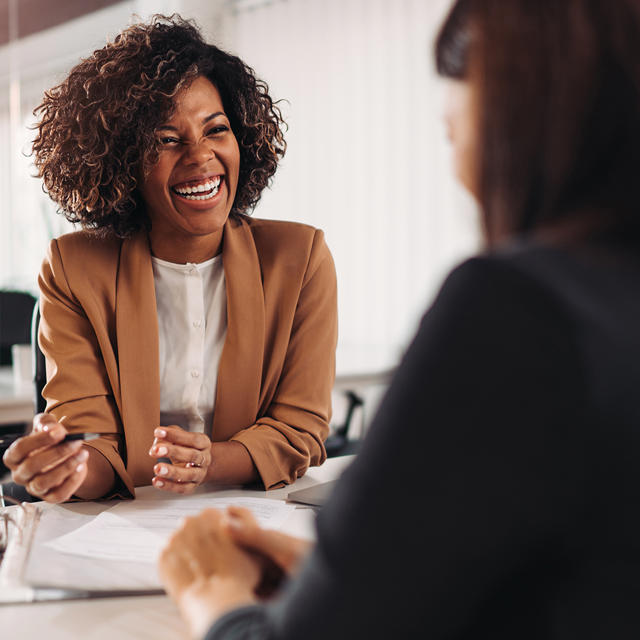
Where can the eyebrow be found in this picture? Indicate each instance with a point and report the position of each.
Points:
(207, 119)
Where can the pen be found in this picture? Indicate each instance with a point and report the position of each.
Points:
(81, 436)
(25, 594)
(10, 438)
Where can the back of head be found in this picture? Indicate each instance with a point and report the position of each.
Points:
(558, 109)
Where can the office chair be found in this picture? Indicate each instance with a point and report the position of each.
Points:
(16, 308)
(39, 363)
(338, 443)
(11, 489)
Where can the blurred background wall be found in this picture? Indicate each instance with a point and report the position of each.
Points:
(367, 161)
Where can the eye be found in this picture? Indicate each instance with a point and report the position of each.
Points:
(166, 141)
(219, 128)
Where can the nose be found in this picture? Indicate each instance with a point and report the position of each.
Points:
(200, 151)
(448, 125)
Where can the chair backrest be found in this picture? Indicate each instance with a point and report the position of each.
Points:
(39, 362)
(16, 308)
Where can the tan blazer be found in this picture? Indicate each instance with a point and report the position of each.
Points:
(99, 333)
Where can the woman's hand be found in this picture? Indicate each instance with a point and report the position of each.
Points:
(205, 572)
(43, 464)
(286, 552)
(190, 454)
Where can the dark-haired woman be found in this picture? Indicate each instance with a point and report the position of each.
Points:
(497, 493)
(174, 325)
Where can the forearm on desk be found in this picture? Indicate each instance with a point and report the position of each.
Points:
(231, 464)
(100, 478)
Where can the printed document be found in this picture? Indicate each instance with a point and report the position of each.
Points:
(136, 531)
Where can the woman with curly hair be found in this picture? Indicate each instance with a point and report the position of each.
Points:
(197, 341)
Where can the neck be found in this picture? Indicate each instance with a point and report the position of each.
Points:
(181, 250)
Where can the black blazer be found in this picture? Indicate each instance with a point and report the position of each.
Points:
(498, 491)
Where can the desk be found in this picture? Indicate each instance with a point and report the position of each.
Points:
(16, 406)
(153, 617)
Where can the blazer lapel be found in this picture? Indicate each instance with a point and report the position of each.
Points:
(240, 369)
(137, 334)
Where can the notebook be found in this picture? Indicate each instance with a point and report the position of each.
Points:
(315, 496)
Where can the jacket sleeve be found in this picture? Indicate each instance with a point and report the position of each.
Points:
(290, 436)
(78, 392)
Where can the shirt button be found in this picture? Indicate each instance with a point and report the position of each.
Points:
(195, 373)
(193, 271)
(197, 323)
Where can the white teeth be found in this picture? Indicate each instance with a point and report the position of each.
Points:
(213, 193)
(201, 188)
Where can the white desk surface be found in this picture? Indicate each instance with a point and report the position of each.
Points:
(16, 405)
(153, 617)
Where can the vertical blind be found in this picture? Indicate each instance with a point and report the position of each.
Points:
(368, 159)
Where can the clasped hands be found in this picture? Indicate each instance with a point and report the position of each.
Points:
(190, 455)
(55, 471)
(220, 560)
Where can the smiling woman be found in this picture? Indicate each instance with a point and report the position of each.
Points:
(190, 189)
(174, 325)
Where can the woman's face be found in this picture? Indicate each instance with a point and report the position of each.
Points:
(460, 120)
(190, 190)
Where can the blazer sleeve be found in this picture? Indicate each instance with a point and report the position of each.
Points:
(79, 392)
(290, 436)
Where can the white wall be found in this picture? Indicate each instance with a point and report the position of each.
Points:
(367, 159)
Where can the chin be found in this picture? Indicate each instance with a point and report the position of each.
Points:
(206, 228)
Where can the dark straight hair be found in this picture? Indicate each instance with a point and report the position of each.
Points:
(559, 111)
(453, 42)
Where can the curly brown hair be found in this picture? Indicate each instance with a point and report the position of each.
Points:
(96, 131)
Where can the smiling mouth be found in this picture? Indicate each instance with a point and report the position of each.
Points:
(203, 190)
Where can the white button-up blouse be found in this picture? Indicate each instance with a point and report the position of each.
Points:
(192, 325)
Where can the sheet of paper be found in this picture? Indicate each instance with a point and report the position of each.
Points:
(136, 531)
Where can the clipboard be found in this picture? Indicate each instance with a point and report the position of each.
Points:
(20, 529)
(15, 589)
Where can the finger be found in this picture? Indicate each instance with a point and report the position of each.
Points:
(176, 561)
(255, 538)
(65, 490)
(243, 514)
(175, 573)
(174, 487)
(53, 484)
(286, 551)
(48, 434)
(179, 436)
(153, 444)
(242, 525)
(202, 534)
(179, 474)
(44, 460)
(180, 454)
(43, 422)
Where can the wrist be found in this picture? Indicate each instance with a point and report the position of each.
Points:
(231, 464)
(100, 479)
(207, 600)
